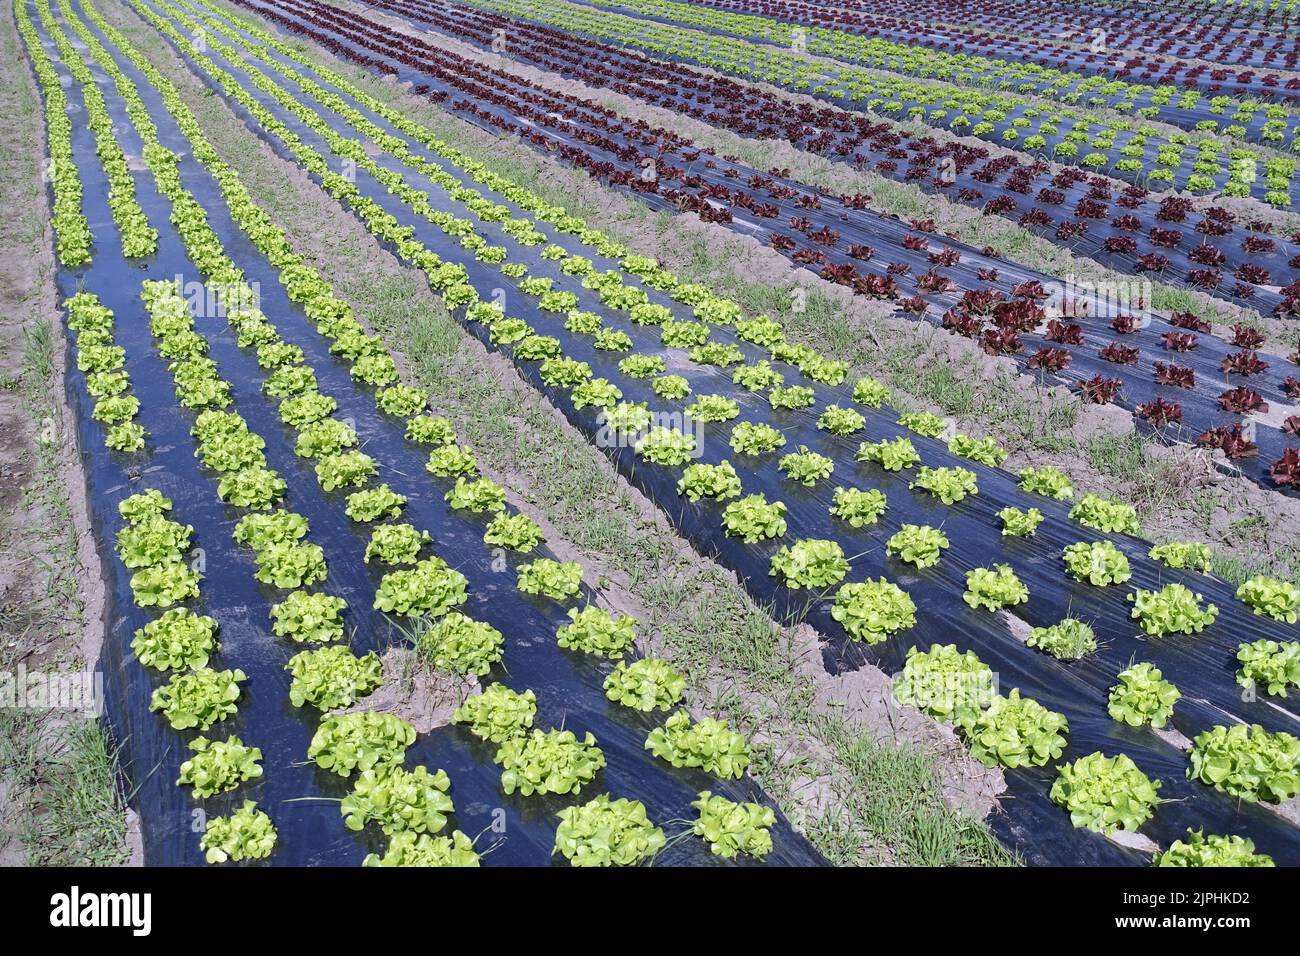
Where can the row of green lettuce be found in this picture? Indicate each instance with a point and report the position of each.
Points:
(71, 231)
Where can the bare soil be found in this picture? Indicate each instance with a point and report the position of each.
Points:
(425, 699)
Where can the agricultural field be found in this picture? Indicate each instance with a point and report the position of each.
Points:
(520, 433)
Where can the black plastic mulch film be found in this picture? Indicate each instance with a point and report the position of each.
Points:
(1201, 666)
(1200, 406)
(568, 685)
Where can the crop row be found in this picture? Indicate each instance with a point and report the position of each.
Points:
(71, 231)
(810, 563)
(409, 803)
(1128, 149)
(1152, 366)
(103, 362)
(152, 546)
(139, 239)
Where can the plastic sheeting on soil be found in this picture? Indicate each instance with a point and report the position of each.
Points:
(299, 797)
(1202, 666)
